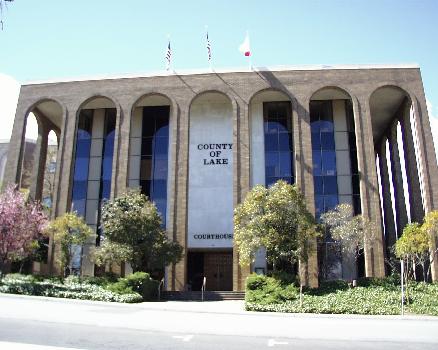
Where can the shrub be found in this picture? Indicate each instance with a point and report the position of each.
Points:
(373, 296)
(138, 282)
(71, 288)
(285, 277)
(268, 290)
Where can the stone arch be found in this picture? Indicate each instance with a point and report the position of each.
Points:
(49, 114)
(330, 92)
(201, 93)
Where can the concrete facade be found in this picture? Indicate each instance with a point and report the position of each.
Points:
(376, 94)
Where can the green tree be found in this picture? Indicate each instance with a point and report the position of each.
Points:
(418, 244)
(133, 221)
(430, 226)
(353, 232)
(68, 231)
(109, 253)
(275, 218)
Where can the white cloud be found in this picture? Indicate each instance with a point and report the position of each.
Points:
(433, 118)
(9, 89)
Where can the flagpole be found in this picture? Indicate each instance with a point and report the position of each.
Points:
(168, 65)
(250, 55)
(208, 43)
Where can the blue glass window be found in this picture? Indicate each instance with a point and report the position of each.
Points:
(324, 156)
(330, 185)
(154, 155)
(318, 184)
(107, 153)
(277, 121)
(328, 162)
(328, 140)
(82, 160)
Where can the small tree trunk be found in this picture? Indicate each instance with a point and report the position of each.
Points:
(414, 273)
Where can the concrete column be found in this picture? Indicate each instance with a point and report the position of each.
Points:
(369, 187)
(14, 162)
(172, 178)
(124, 150)
(179, 270)
(39, 161)
(416, 201)
(390, 230)
(119, 166)
(397, 180)
(304, 179)
(241, 179)
(66, 164)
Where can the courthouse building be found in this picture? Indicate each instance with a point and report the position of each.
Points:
(197, 142)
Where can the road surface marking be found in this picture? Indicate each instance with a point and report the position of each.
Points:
(23, 346)
(183, 337)
(273, 342)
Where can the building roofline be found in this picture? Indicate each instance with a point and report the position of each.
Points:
(174, 72)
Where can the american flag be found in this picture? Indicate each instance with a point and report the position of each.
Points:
(168, 56)
(208, 48)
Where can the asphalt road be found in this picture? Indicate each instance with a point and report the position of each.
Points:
(49, 324)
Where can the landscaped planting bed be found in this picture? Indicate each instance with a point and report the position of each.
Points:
(371, 297)
(133, 289)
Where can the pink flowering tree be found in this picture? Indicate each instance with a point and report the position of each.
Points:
(22, 223)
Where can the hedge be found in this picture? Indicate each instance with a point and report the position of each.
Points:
(71, 288)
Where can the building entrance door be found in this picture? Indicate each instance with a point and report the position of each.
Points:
(218, 270)
(216, 267)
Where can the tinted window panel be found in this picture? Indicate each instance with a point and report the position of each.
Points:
(330, 202)
(81, 169)
(327, 140)
(161, 145)
(326, 126)
(330, 185)
(146, 146)
(146, 168)
(272, 163)
(316, 141)
(148, 126)
(315, 126)
(107, 165)
(271, 142)
(109, 145)
(160, 169)
(79, 190)
(159, 189)
(146, 187)
(79, 207)
(319, 205)
(271, 127)
(329, 162)
(285, 164)
(284, 143)
(317, 165)
(83, 148)
(318, 184)
(106, 189)
(163, 131)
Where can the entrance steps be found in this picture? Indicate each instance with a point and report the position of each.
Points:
(208, 295)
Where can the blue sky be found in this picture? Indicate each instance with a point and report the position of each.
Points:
(52, 39)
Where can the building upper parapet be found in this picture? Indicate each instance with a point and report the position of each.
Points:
(174, 72)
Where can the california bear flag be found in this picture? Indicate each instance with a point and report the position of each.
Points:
(244, 47)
